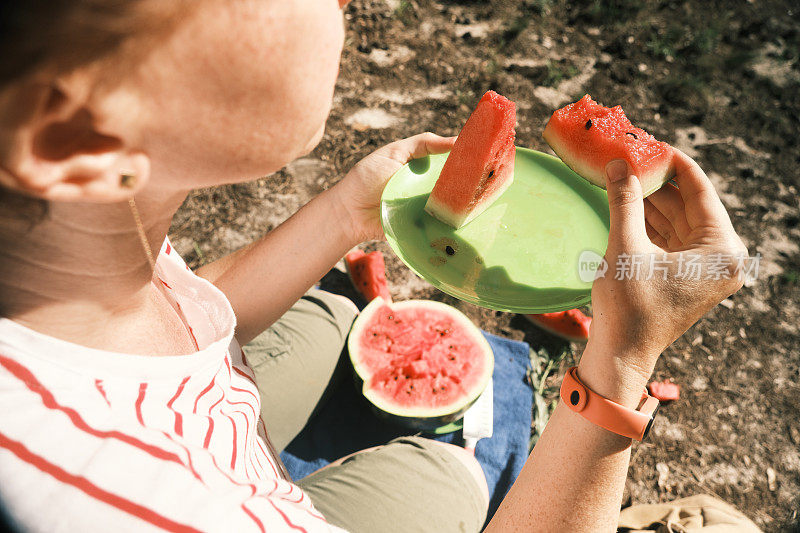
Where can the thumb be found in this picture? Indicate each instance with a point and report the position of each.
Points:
(626, 205)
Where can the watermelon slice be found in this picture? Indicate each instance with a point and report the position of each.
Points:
(422, 363)
(571, 325)
(367, 272)
(480, 166)
(665, 391)
(587, 135)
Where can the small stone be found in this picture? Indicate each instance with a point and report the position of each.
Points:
(697, 340)
(727, 302)
(746, 460)
(772, 482)
(630, 39)
(742, 333)
(642, 67)
(794, 434)
(663, 475)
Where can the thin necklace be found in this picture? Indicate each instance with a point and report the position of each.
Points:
(142, 235)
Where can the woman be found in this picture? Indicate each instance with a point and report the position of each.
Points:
(127, 401)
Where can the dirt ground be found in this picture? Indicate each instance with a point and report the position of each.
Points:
(719, 79)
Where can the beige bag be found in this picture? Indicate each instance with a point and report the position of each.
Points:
(701, 513)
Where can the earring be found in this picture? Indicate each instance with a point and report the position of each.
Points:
(127, 181)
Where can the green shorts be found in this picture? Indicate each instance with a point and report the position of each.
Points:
(410, 484)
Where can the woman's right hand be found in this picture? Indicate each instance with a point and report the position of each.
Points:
(690, 258)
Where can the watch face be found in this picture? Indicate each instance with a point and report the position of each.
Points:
(650, 424)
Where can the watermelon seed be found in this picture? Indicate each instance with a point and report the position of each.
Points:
(588, 124)
(491, 173)
(631, 133)
(449, 250)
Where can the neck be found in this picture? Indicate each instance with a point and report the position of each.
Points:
(82, 275)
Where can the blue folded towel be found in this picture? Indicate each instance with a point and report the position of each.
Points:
(346, 424)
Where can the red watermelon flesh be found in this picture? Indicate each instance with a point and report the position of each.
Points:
(665, 391)
(480, 166)
(368, 274)
(571, 325)
(587, 135)
(420, 359)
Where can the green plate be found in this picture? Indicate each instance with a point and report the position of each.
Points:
(522, 254)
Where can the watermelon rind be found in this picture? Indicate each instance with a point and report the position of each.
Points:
(419, 417)
(458, 220)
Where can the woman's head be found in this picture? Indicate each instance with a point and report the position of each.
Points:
(198, 93)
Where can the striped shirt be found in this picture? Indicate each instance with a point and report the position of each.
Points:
(99, 441)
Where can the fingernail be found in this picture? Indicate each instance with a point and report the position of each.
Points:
(616, 170)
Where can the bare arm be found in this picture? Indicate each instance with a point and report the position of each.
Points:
(264, 279)
(574, 478)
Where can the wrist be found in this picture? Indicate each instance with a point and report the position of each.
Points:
(342, 217)
(617, 373)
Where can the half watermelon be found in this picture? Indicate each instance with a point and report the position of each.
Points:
(587, 135)
(422, 363)
(480, 166)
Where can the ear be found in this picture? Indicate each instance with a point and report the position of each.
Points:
(53, 148)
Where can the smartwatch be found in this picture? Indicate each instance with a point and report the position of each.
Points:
(631, 423)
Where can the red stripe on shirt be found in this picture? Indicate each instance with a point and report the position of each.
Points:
(89, 488)
(139, 400)
(255, 518)
(49, 401)
(233, 452)
(203, 393)
(178, 417)
(286, 518)
(253, 493)
(245, 375)
(207, 440)
(268, 458)
(99, 386)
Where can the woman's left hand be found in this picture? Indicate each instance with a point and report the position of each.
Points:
(359, 192)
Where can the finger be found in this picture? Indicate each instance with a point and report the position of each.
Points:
(661, 224)
(669, 202)
(625, 204)
(418, 146)
(655, 237)
(703, 206)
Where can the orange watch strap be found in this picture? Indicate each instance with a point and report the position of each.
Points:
(631, 423)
